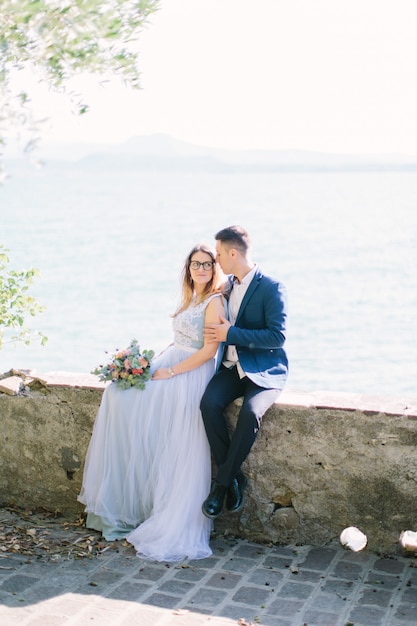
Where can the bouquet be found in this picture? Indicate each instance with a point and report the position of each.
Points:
(127, 368)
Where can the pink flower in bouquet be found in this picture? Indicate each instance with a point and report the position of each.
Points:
(127, 364)
(143, 362)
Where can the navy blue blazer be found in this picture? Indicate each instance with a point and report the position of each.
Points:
(259, 332)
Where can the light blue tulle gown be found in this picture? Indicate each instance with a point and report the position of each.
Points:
(148, 465)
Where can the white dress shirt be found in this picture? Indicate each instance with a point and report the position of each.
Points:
(236, 296)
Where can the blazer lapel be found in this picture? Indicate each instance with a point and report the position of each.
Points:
(252, 286)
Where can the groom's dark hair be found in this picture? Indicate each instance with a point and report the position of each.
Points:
(235, 236)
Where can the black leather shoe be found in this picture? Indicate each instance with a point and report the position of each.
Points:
(212, 507)
(236, 494)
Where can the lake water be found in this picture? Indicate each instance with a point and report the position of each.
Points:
(110, 246)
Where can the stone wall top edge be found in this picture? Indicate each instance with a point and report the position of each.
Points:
(343, 401)
(314, 399)
(71, 379)
(390, 405)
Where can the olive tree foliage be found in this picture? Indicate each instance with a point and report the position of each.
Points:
(16, 303)
(54, 41)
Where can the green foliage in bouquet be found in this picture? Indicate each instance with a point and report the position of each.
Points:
(127, 368)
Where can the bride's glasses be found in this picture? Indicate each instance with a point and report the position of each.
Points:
(207, 265)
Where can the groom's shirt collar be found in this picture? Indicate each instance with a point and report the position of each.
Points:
(246, 280)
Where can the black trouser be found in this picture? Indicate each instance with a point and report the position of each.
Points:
(230, 452)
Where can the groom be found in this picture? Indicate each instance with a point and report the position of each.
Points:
(254, 365)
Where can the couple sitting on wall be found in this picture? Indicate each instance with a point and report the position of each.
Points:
(148, 467)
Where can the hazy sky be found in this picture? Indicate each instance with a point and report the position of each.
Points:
(328, 75)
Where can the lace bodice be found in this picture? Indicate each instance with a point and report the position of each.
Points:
(188, 325)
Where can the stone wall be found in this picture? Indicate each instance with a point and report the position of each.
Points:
(321, 462)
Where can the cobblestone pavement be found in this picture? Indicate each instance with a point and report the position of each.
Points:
(243, 583)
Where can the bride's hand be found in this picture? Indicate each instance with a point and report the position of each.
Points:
(161, 374)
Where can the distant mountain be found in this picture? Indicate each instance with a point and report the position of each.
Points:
(163, 152)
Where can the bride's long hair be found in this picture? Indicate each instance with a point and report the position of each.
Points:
(215, 285)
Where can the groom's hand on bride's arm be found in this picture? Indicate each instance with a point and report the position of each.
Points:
(217, 332)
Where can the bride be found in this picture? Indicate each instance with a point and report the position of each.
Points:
(148, 465)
